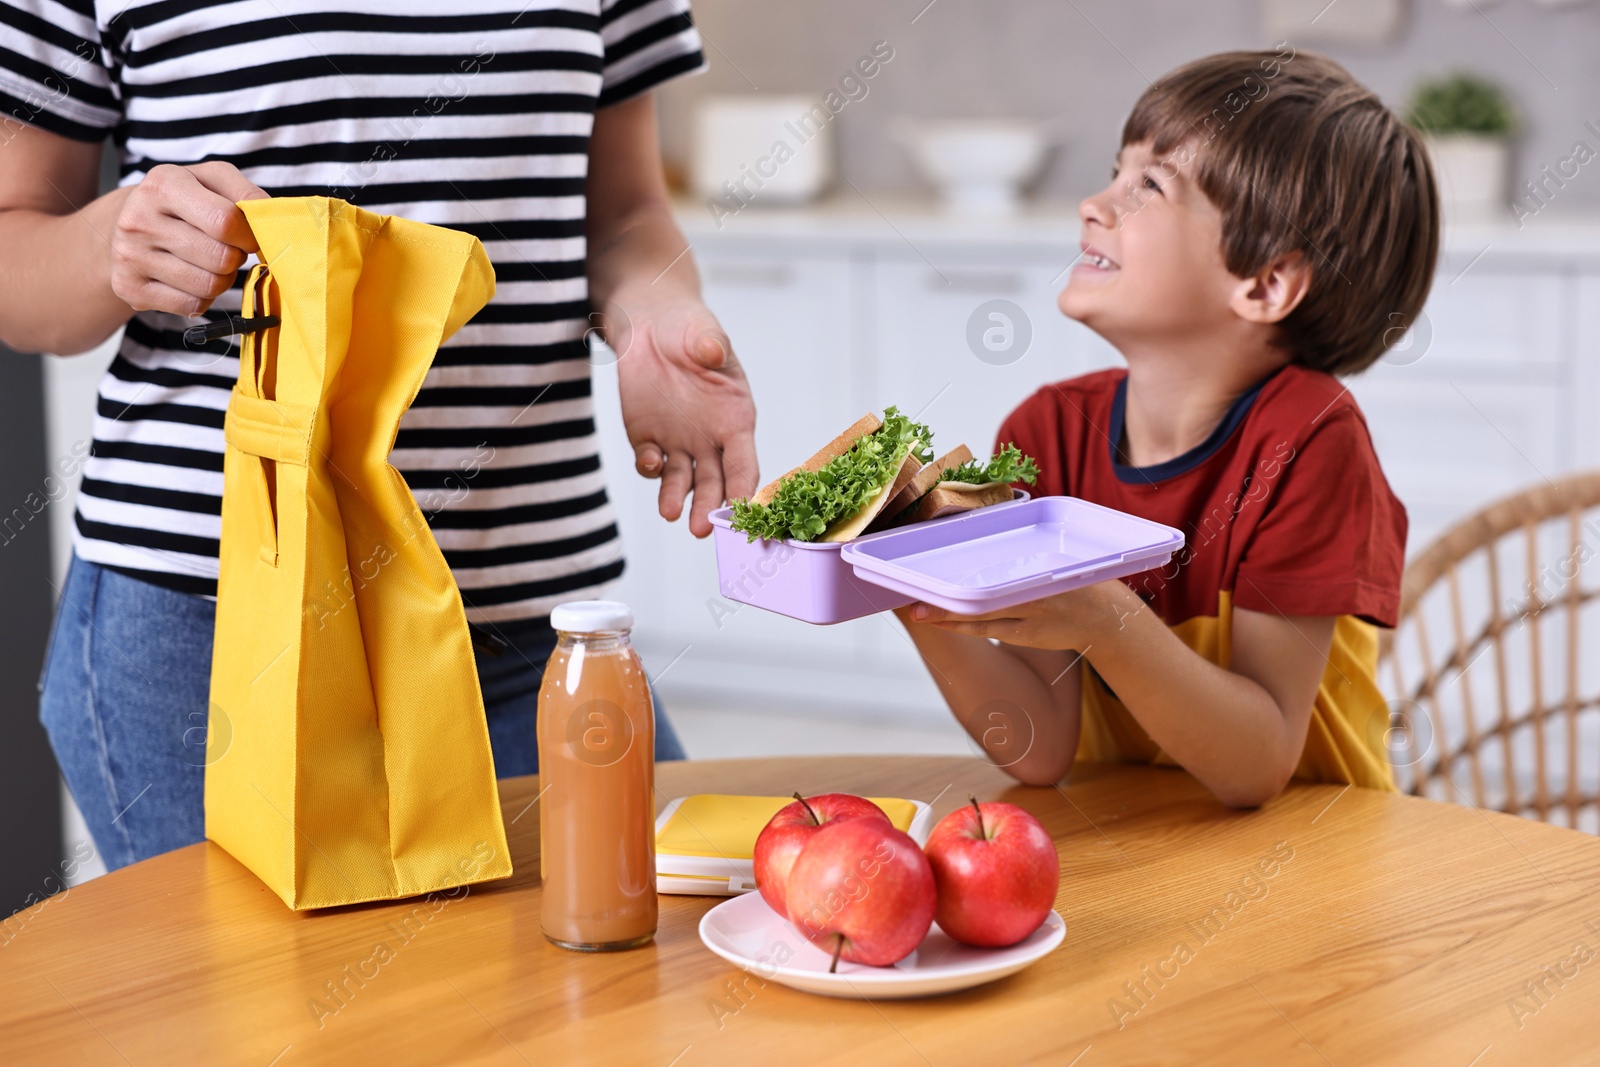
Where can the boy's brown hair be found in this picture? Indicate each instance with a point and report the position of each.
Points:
(1299, 156)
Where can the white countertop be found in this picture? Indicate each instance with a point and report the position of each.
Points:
(872, 219)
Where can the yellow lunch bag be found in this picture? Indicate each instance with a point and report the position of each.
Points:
(347, 752)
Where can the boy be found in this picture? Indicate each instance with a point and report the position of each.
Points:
(1268, 225)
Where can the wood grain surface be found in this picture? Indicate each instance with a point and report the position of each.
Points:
(1390, 930)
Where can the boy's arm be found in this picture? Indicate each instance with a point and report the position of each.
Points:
(1240, 730)
(1019, 704)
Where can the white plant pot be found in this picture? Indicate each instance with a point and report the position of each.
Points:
(1472, 171)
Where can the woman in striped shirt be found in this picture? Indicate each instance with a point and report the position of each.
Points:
(528, 124)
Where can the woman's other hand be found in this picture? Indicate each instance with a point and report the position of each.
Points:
(685, 402)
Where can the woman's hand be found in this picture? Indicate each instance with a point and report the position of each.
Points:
(685, 402)
(180, 238)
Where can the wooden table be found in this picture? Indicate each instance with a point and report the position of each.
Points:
(1391, 930)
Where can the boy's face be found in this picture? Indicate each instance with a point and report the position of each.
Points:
(1152, 265)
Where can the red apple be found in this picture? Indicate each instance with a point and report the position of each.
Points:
(863, 891)
(997, 872)
(787, 832)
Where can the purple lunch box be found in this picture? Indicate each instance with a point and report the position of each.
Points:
(997, 557)
(807, 580)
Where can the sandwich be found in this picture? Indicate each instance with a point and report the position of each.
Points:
(834, 495)
(874, 475)
(955, 482)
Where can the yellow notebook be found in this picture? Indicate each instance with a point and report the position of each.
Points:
(704, 842)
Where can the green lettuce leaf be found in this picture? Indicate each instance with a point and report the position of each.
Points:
(808, 502)
(1007, 465)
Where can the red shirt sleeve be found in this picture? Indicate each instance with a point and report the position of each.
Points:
(1032, 426)
(1331, 537)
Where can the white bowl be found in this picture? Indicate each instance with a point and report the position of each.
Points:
(979, 166)
(747, 933)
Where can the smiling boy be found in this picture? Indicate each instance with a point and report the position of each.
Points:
(1269, 226)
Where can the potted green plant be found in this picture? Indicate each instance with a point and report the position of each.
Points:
(1467, 122)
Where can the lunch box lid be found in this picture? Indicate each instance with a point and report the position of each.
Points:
(990, 554)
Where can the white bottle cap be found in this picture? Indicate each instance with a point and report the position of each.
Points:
(592, 616)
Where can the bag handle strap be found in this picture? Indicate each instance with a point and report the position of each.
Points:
(272, 429)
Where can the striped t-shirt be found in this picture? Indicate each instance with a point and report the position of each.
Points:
(474, 115)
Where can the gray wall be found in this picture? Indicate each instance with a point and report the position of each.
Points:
(1046, 59)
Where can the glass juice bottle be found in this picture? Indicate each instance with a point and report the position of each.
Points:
(596, 727)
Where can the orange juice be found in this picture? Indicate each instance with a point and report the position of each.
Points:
(597, 733)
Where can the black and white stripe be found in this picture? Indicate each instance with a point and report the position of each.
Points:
(478, 119)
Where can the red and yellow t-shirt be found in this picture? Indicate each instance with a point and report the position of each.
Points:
(1285, 510)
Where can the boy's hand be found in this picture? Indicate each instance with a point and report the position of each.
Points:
(1071, 620)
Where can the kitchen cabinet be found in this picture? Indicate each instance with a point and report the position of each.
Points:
(790, 321)
(930, 354)
(825, 338)
(1586, 366)
(838, 310)
(931, 359)
(1445, 443)
(795, 323)
(1482, 399)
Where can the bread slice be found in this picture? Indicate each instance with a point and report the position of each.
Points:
(925, 480)
(949, 498)
(868, 423)
(853, 526)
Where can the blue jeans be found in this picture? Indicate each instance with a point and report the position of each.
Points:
(124, 697)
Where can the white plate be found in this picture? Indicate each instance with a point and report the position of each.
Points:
(749, 934)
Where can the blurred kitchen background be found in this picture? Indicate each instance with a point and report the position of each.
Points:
(865, 270)
(906, 246)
